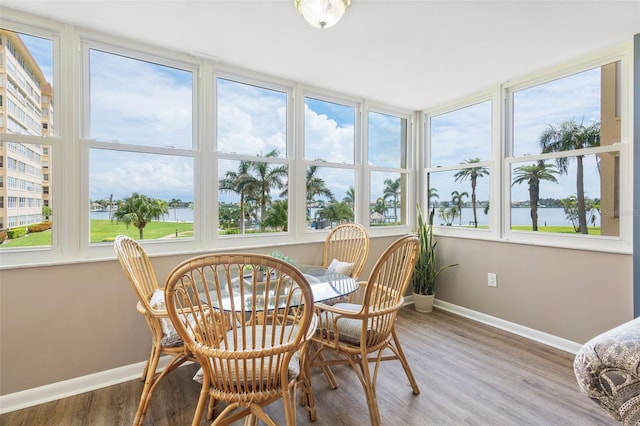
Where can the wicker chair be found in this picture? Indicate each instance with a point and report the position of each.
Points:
(164, 340)
(357, 331)
(347, 243)
(247, 319)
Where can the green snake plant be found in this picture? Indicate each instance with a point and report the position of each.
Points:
(425, 273)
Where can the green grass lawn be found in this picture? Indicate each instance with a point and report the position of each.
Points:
(106, 231)
(593, 230)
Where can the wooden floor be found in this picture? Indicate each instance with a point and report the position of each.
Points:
(468, 373)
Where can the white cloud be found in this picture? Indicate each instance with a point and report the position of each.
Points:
(461, 134)
(326, 140)
(251, 120)
(141, 103)
(385, 144)
(122, 173)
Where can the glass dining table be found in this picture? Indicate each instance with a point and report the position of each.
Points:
(326, 285)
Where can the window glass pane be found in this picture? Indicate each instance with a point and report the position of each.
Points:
(539, 109)
(25, 212)
(256, 191)
(151, 193)
(251, 120)
(387, 199)
(28, 92)
(139, 102)
(387, 140)
(452, 194)
(567, 115)
(544, 199)
(329, 131)
(330, 196)
(26, 96)
(461, 134)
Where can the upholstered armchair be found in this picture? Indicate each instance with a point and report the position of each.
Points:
(608, 371)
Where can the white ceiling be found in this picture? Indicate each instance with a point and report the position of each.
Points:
(411, 54)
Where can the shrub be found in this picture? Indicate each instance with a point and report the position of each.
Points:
(16, 232)
(39, 227)
(3, 236)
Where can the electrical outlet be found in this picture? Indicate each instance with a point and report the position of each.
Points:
(492, 280)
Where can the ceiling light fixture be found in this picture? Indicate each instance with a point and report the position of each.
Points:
(322, 13)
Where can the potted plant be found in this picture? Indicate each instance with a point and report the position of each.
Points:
(426, 272)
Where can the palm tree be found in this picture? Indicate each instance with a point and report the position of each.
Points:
(239, 182)
(392, 189)
(337, 211)
(139, 210)
(277, 215)
(457, 199)
(266, 177)
(447, 214)
(380, 206)
(350, 196)
(433, 193)
(316, 186)
(533, 174)
(472, 173)
(174, 204)
(568, 136)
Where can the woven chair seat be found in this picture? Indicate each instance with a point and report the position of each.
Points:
(349, 329)
(165, 341)
(252, 318)
(359, 333)
(236, 367)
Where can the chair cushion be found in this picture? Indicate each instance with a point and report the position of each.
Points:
(294, 364)
(170, 337)
(350, 330)
(343, 268)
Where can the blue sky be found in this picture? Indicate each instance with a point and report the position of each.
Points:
(42, 50)
(137, 102)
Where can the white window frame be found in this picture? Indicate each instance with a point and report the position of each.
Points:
(500, 185)
(356, 166)
(495, 171)
(615, 244)
(26, 24)
(88, 41)
(410, 197)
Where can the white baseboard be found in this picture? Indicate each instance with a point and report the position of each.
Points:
(75, 386)
(511, 327)
(78, 385)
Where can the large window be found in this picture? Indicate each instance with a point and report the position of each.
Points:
(28, 77)
(389, 178)
(458, 162)
(140, 136)
(564, 168)
(175, 149)
(329, 151)
(253, 174)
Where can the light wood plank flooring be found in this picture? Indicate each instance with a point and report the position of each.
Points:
(468, 373)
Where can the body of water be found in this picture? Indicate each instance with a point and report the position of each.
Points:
(179, 215)
(519, 216)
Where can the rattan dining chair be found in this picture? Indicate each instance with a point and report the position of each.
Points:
(363, 333)
(248, 335)
(164, 339)
(347, 243)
